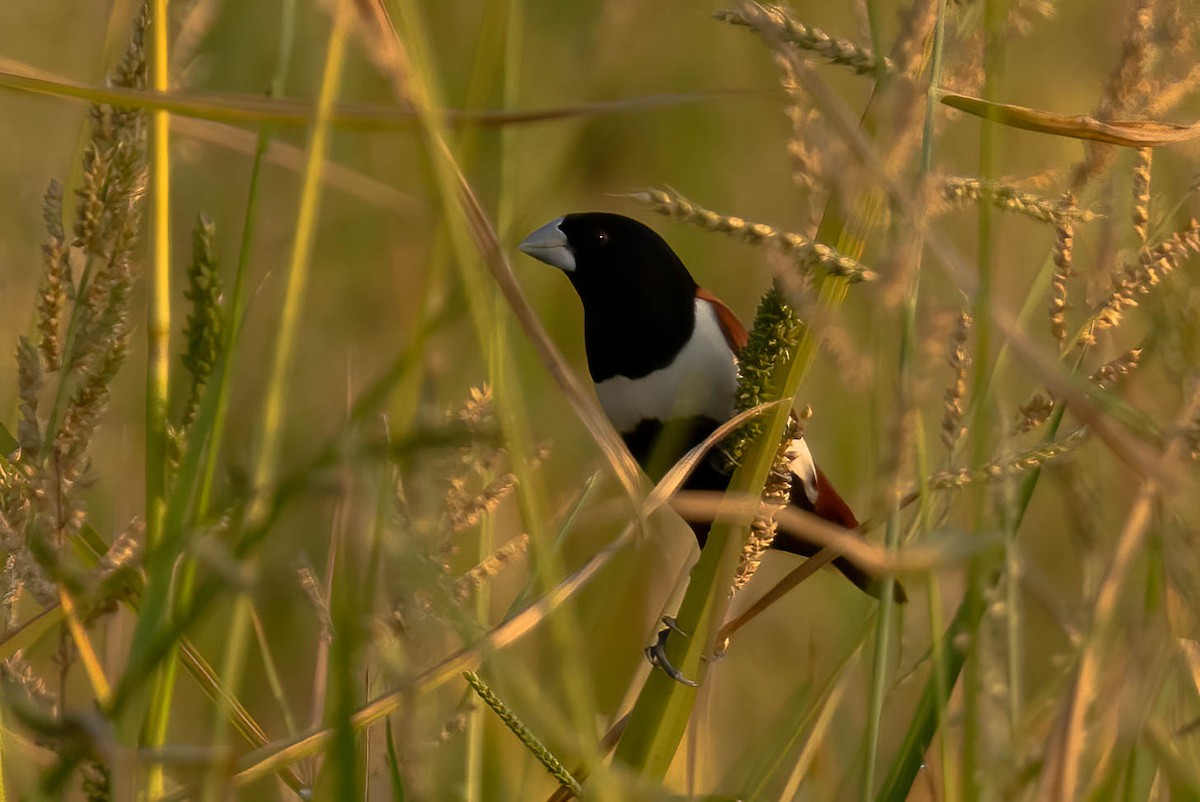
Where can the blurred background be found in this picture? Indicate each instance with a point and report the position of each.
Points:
(713, 127)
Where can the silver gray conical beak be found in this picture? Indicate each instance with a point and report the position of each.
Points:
(549, 244)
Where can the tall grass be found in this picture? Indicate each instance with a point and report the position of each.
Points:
(369, 507)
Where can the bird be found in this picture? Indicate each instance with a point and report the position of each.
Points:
(663, 356)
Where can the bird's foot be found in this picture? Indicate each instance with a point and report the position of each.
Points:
(657, 653)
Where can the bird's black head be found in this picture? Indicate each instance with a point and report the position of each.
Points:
(638, 298)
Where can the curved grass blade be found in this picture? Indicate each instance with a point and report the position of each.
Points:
(1126, 133)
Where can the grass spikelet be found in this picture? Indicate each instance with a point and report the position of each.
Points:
(800, 249)
(960, 190)
(953, 429)
(775, 496)
(56, 278)
(775, 333)
(465, 510)
(1064, 250)
(18, 676)
(805, 38)
(1153, 265)
(89, 401)
(1110, 373)
(1034, 412)
(491, 566)
(205, 322)
(477, 409)
(29, 386)
(517, 728)
(1141, 193)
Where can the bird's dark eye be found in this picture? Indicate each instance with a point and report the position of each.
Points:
(601, 236)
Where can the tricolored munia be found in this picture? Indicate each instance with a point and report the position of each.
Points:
(662, 353)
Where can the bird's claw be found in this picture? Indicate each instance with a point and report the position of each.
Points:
(657, 654)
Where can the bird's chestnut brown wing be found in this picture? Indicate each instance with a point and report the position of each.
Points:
(735, 333)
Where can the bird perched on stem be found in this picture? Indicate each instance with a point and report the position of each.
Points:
(663, 355)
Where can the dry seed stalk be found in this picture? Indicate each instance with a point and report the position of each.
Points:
(803, 251)
(779, 22)
(952, 409)
(491, 566)
(1125, 92)
(1064, 251)
(1011, 466)
(316, 597)
(1154, 263)
(464, 510)
(1108, 374)
(1141, 193)
(775, 496)
(1010, 197)
(809, 164)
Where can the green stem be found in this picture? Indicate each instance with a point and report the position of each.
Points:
(160, 708)
(158, 360)
(995, 19)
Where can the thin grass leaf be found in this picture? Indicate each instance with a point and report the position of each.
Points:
(228, 107)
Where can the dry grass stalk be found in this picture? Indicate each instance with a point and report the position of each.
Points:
(779, 22)
(1064, 753)
(491, 566)
(775, 496)
(960, 190)
(803, 251)
(1153, 264)
(1124, 93)
(1064, 251)
(811, 165)
(953, 430)
(1010, 466)
(316, 597)
(1108, 374)
(1141, 193)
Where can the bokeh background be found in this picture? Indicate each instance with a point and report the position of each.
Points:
(713, 128)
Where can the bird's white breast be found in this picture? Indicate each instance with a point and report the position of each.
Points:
(701, 381)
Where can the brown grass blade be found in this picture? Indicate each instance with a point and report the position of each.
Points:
(706, 505)
(1126, 133)
(231, 107)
